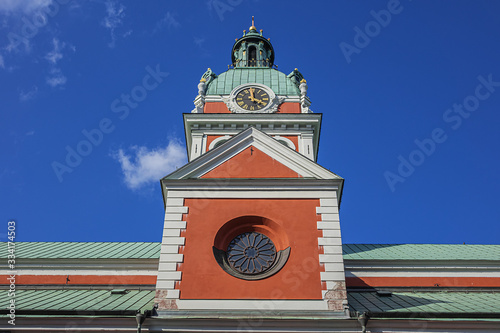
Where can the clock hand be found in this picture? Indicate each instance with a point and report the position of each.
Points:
(258, 100)
(252, 97)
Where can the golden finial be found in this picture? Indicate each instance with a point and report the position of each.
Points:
(303, 81)
(296, 69)
(208, 69)
(203, 80)
(253, 25)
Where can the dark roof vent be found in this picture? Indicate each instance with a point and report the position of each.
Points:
(384, 293)
(119, 291)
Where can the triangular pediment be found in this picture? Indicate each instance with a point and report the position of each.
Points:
(251, 163)
(252, 154)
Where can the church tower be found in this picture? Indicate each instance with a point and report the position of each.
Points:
(251, 221)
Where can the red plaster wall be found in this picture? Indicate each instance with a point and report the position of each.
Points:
(216, 107)
(220, 107)
(289, 108)
(251, 163)
(203, 278)
(82, 279)
(409, 281)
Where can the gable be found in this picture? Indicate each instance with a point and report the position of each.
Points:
(251, 163)
(251, 139)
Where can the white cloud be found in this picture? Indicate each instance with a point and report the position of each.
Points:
(128, 33)
(25, 6)
(55, 55)
(2, 63)
(56, 78)
(146, 166)
(168, 21)
(114, 16)
(30, 94)
(199, 42)
(20, 13)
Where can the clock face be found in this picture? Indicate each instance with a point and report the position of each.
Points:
(252, 99)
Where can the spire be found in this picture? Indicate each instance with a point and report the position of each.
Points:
(253, 25)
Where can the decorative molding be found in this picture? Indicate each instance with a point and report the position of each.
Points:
(197, 126)
(305, 103)
(199, 103)
(250, 192)
(421, 268)
(269, 321)
(220, 98)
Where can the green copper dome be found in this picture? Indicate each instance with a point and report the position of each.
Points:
(279, 82)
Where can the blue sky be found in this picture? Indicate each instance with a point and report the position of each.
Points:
(409, 91)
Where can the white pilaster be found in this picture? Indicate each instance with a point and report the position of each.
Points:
(331, 242)
(196, 146)
(170, 258)
(306, 146)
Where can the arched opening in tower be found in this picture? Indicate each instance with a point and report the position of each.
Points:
(252, 56)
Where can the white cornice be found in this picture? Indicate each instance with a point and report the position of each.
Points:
(422, 268)
(254, 321)
(274, 124)
(292, 118)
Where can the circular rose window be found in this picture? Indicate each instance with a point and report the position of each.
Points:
(251, 247)
(251, 253)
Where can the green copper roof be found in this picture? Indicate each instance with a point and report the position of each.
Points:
(83, 301)
(105, 302)
(420, 252)
(84, 250)
(426, 302)
(276, 80)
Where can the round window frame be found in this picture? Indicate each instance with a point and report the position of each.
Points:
(285, 141)
(218, 141)
(250, 223)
